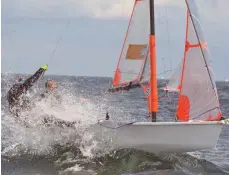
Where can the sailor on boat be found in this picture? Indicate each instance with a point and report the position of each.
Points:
(16, 96)
(126, 87)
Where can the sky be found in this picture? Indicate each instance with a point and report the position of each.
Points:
(92, 41)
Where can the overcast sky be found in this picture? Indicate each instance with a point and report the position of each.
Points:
(91, 43)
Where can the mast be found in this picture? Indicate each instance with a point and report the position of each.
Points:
(153, 72)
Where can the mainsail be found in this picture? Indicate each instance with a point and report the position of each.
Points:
(198, 99)
(137, 62)
(135, 47)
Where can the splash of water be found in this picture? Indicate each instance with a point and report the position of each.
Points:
(40, 140)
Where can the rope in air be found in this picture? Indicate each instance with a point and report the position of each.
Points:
(54, 50)
(59, 40)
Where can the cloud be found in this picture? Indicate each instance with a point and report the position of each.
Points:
(33, 40)
(211, 10)
(72, 8)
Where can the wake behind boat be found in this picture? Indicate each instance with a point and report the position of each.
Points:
(198, 122)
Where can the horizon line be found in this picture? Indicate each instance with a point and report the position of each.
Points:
(91, 76)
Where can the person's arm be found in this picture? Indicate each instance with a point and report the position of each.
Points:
(34, 78)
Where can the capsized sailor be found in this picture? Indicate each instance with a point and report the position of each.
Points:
(16, 96)
(51, 91)
(51, 94)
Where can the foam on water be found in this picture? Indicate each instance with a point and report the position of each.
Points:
(74, 149)
(38, 139)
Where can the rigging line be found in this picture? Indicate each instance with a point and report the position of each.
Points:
(217, 107)
(59, 40)
(169, 41)
(126, 124)
(167, 28)
(164, 72)
(163, 58)
(54, 50)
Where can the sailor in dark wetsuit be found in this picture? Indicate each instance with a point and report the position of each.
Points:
(129, 86)
(16, 95)
(126, 87)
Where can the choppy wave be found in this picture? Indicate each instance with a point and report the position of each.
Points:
(57, 150)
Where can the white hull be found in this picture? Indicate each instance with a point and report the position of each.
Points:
(160, 137)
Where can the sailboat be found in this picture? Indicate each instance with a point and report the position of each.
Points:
(198, 121)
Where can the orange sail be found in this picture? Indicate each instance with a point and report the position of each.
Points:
(198, 98)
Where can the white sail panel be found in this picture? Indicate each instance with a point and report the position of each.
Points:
(145, 78)
(174, 81)
(198, 98)
(135, 46)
